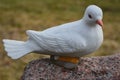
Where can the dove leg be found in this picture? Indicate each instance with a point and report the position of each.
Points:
(66, 62)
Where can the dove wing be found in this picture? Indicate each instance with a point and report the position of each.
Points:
(57, 43)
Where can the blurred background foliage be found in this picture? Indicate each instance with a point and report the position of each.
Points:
(17, 16)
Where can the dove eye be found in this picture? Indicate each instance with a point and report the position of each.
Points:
(89, 16)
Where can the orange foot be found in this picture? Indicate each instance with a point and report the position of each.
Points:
(65, 61)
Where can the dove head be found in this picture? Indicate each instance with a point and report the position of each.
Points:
(93, 15)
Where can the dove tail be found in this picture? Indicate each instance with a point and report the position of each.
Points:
(16, 49)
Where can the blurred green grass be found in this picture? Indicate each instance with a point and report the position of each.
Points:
(17, 16)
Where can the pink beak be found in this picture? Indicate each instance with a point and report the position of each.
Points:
(99, 22)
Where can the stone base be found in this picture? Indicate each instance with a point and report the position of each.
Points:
(92, 68)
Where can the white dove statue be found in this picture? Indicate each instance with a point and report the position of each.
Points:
(65, 43)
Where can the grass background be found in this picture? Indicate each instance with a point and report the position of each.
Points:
(17, 16)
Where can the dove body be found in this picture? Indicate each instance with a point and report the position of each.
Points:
(74, 39)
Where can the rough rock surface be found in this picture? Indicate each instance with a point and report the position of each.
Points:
(92, 68)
